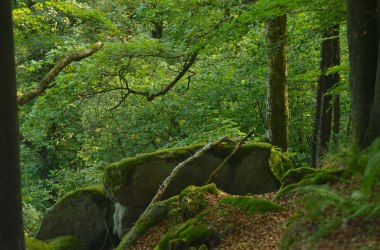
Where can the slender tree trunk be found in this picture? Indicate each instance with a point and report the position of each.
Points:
(314, 139)
(337, 115)
(363, 43)
(330, 56)
(11, 229)
(278, 111)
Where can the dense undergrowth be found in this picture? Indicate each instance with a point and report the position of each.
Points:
(342, 205)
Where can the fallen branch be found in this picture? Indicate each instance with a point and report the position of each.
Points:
(181, 165)
(50, 76)
(237, 148)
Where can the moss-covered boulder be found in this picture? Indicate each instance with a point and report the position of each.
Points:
(134, 181)
(67, 242)
(124, 218)
(86, 214)
(188, 204)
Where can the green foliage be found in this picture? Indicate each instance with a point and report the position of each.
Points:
(251, 205)
(86, 120)
(31, 219)
(279, 163)
(358, 201)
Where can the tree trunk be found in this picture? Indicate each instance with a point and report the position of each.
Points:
(11, 229)
(278, 111)
(315, 135)
(363, 43)
(330, 57)
(337, 115)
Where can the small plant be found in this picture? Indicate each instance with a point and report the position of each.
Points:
(360, 200)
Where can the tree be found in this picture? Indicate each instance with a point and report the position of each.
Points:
(326, 105)
(278, 111)
(11, 229)
(363, 41)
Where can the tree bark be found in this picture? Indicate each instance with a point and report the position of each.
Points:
(363, 43)
(11, 228)
(316, 125)
(325, 104)
(330, 57)
(44, 84)
(278, 111)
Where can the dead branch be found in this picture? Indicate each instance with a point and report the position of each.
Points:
(237, 148)
(58, 67)
(181, 165)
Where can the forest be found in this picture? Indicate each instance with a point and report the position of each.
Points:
(189, 124)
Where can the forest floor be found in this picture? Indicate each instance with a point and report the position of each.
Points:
(264, 231)
(258, 231)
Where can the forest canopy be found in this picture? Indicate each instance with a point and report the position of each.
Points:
(99, 81)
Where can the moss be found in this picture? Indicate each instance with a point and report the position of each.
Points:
(96, 191)
(191, 201)
(251, 205)
(320, 176)
(295, 175)
(223, 150)
(118, 173)
(192, 234)
(279, 164)
(66, 243)
(34, 244)
(151, 217)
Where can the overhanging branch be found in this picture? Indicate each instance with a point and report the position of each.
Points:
(44, 84)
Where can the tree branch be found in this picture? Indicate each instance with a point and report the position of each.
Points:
(50, 76)
(237, 148)
(175, 171)
(150, 97)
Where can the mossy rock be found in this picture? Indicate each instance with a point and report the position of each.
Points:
(251, 205)
(295, 175)
(306, 176)
(250, 171)
(67, 242)
(34, 244)
(191, 201)
(193, 234)
(85, 214)
(153, 215)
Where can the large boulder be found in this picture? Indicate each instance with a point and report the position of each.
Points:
(134, 181)
(86, 214)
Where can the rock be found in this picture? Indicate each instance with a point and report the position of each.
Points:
(85, 214)
(124, 218)
(190, 201)
(133, 182)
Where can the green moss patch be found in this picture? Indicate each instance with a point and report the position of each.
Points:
(191, 201)
(194, 234)
(279, 164)
(34, 244)
(119, 173)
(251, 205)
(67, 243)
(306, 176)
(295, 175)
(96, 191)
